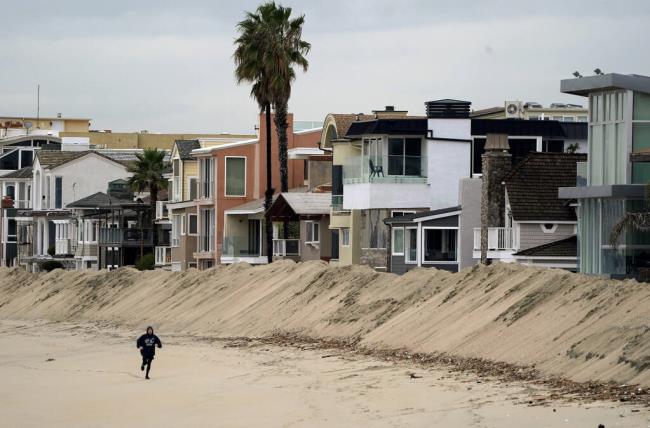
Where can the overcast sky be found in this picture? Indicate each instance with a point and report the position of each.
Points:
(166, 66)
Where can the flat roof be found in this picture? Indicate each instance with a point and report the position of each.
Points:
(44, 118)
(583, 86)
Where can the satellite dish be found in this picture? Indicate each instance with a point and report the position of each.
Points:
(27, 125)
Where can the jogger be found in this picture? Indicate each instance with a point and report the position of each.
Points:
(147, 345)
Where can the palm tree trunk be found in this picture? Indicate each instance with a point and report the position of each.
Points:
(281, 126)
(153, 200)
(268, 195)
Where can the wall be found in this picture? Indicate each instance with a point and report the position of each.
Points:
(386, 195)
(190, 169)
(348, 255)
(531, 234)
(451, 128)
(184, 252)
(448, 162)
(78, 183)
(320, 172)
(136, 140)
(310, 252)
(470, 217)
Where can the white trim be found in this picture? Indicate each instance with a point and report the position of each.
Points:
(439, 262)
(406, 260)
(544, 257)
(179, 205)
(341, 229)
(304, 152)
(225, 176)
(543, 222)
(240, 212)
(311, 223)
(308, 131)
(437, 216)
(208, 150)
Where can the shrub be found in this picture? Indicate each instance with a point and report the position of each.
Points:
(146, 262)
(50, 265)
(51, 251)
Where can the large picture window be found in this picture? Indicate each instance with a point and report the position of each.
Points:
(405, 156)
(373, 154)
(439, 245)
(235, 176)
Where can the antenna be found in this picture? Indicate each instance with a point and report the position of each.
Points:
(38, 102)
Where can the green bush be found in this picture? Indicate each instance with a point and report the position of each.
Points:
(50, 265)
(51, 251)
(146, 262)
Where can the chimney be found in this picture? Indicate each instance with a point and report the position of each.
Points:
(58, 115)
(497, 162)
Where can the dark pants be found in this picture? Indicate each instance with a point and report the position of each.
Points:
(147, 359)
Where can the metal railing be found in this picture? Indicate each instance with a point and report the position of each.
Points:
(121, 236)
(286, 247)
(499, 239)
(163, 256)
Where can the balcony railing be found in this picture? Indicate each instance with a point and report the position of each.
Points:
(387, 169)
(581, 174)
(286, 247)
(337, 202)
(163, 256)
(499, 239)
(120, 236)
(240, 246)
(161, 210)
(205, 243)
(64, 246)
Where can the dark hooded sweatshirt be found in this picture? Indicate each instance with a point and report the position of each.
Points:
(148, 342)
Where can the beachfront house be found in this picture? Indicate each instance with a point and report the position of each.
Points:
(615, 177)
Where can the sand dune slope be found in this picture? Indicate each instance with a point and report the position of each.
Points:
(579, 327)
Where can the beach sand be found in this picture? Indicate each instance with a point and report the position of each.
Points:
(80, 374)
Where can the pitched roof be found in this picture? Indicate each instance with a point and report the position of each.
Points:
(567, 247)
(409, 218)
(306, 203)
(486, 111)
(403, 126)
(56, 158)
(185, 148)
(99, 199)
(21, 173)
(533, 184)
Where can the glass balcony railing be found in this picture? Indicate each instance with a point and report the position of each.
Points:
(581, 174)
(385, 169)
(337, 202)
(241, 246)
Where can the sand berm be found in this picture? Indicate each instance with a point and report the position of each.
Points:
(568, 325)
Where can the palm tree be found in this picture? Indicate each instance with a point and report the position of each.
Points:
(147, 174)
(637, 221)
(250, 66)
(288, 50)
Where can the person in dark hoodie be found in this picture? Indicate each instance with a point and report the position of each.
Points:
(147, 345)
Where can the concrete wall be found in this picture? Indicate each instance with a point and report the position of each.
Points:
(362, 196)
(448, 162)
(532, 235)
(470, 217)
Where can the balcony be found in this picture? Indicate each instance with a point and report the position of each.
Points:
(337, 203)
(163, 256)
(499, 239)
(235, 249)
(387, 169)
(286, 247)
(162, 214)
(206, 190)
(125, 237)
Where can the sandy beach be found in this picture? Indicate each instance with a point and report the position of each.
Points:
(87, 375)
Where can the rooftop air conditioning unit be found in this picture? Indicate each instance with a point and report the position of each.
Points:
(514, 109)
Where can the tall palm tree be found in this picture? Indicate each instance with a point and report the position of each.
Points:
(147, 174)
(251, 58)
(288, 50)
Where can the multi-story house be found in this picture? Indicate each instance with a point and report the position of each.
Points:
(561, 112)
(59, 178)
(616, 175)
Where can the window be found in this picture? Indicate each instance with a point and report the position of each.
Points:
(411, 245)
(533, 117)
(313, 232)
(47, 191)
(206, 178)
(398, 241)
(58, 192)
(569, 119)
(439, 245)
(10, 191)
(549, 227)
(345, 236)
(90, 231)
(235, 176)
(176, 230)
(26, 158)
(582, 118)
(404, 156)
(206, 238)
(373, 149)
(395, 213)
(558, 118)
(192, 184)
(192, 228)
